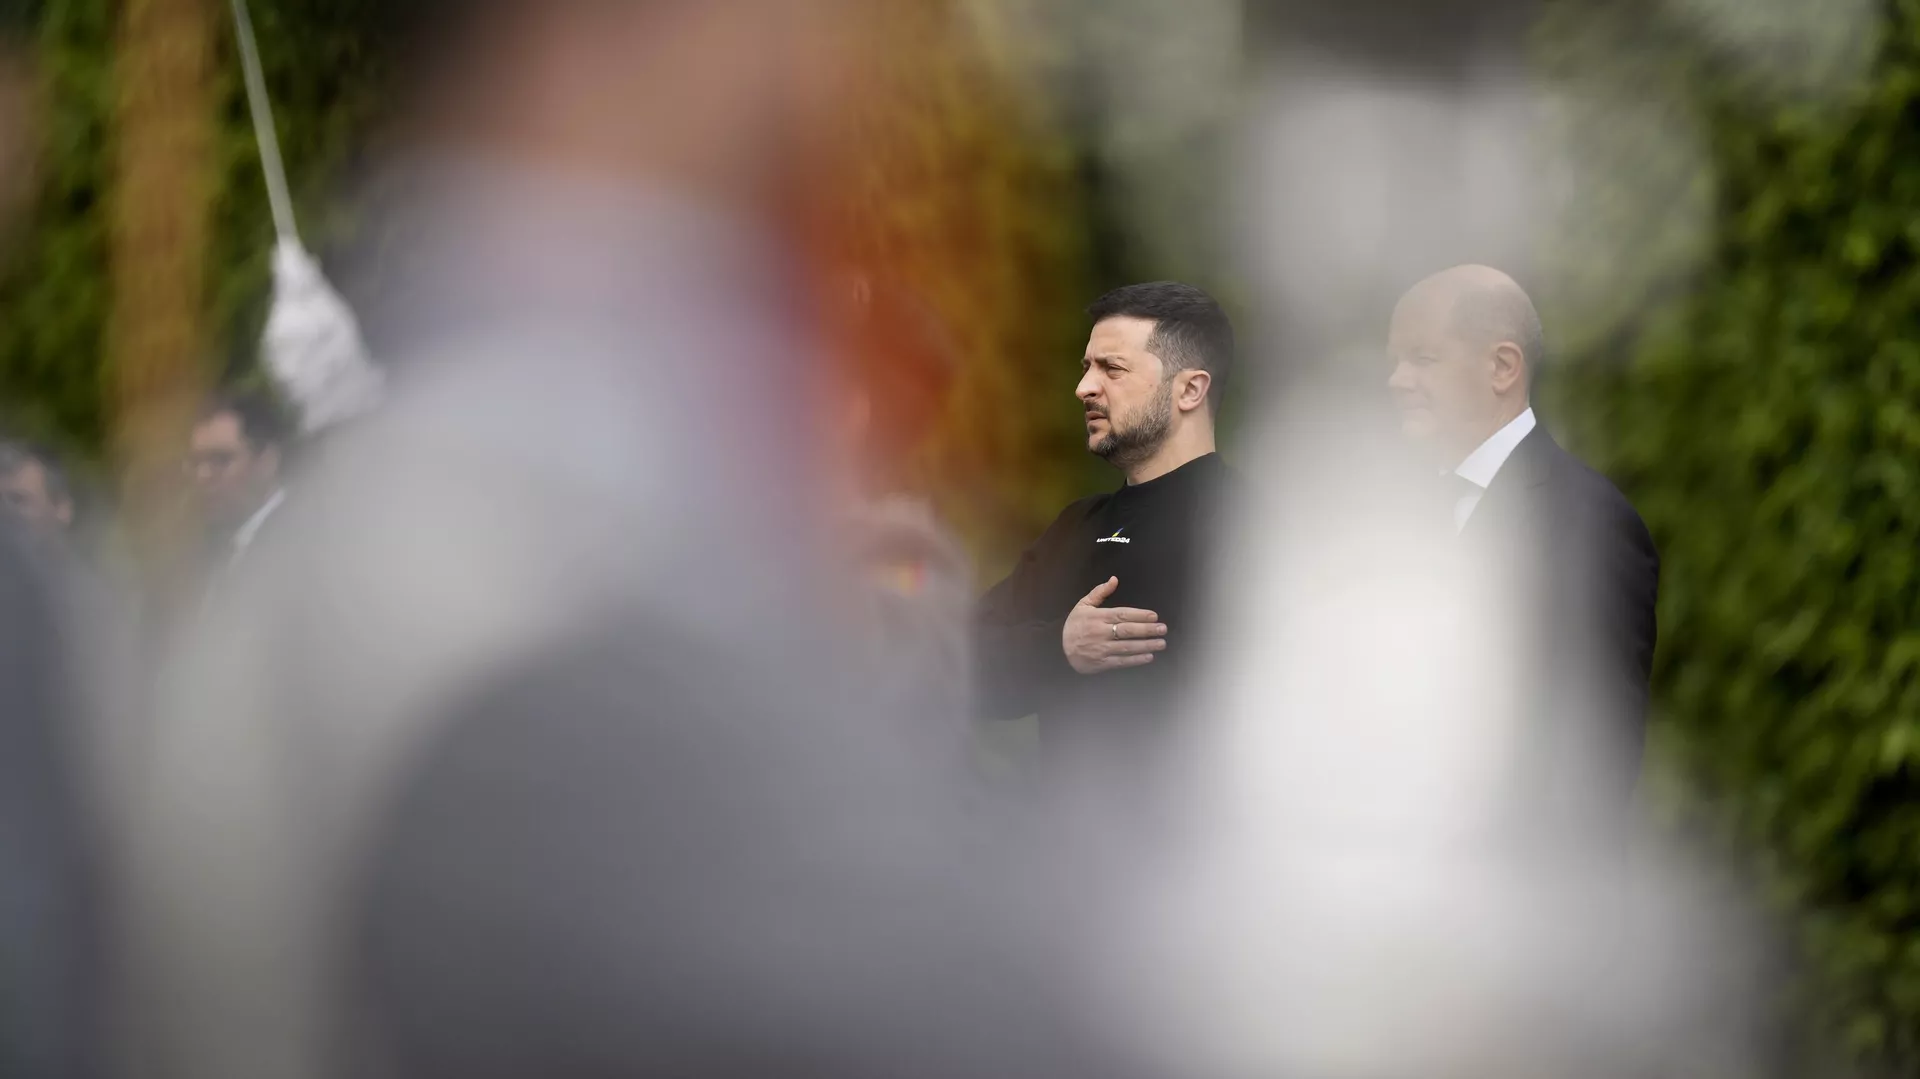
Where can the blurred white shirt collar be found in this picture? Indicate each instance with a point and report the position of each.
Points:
(243, 536)
(1484, 463)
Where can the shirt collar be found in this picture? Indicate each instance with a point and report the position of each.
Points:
(243, 536)
(1484, 463)
(1197, 467)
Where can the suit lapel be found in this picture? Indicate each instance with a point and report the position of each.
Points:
(1529, 467)
(1504, 534)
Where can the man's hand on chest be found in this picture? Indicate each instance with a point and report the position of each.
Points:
(1097, 638)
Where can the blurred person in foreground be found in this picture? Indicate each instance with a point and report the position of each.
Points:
(51, 906)
(1096, 626)
(51, 910)
(40, 494)
(542, 745)
(1578, 569)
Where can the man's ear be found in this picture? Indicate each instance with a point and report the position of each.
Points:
(63, 512)
(270, 460)
(1191, 388)
(1509, 368)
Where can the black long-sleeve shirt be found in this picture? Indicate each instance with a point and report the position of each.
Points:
(1152, 537)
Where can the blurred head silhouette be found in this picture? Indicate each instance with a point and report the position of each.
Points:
(1465, 344)
(35, 488)
(233, 457)
(712, 99)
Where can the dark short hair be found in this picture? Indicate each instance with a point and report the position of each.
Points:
(1190, 330)
(17, 455)
(261, 421)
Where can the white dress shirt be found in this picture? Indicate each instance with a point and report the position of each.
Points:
(1484, 463)
(243, 536)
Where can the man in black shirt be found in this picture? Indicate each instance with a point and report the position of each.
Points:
(1093, 630)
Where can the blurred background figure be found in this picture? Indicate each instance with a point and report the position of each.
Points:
(547, 739)
(35, 489)
(99, 614)
(52, 908)
(234, 460)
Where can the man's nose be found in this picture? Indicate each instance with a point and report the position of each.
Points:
(1403, 377)
(1088, 389)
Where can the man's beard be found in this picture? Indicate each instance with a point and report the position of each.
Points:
(1145, 429)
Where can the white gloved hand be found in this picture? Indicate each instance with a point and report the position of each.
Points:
(312, 344)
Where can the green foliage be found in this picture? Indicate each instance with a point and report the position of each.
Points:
(54, 302)
(979, 191)
(329, 79)
(1761, 405)
(55, 298)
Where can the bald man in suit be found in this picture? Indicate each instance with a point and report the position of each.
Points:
(1575, 565)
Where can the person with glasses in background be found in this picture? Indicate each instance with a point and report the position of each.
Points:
(234, 459)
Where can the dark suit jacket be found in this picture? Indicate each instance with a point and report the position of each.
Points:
(641, 856)
(1584, 576)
